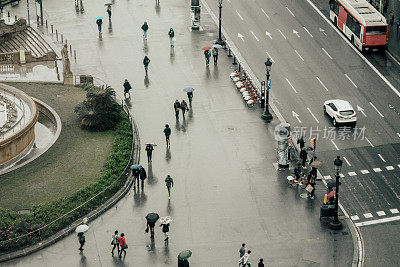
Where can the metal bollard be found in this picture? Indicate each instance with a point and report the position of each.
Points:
(234, 61)
(46, 24)
(70, 49)
(62, 38)
(239, 68)
(15, 18)
(229, 52)
(56, 34)
(52, 30)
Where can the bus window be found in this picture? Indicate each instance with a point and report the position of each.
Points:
(376, 30)
(334, 6)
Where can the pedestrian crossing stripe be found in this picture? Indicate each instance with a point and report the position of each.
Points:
(394, 211)
(389, 168)
(355, 217)
(352, 173)
(381, 213)
(341, 175)
(327, 177)
(368, 215)
(364, 171)
(377, 169)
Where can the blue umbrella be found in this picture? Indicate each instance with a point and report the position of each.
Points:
(136, 167)
(98, 17)
(188, 89)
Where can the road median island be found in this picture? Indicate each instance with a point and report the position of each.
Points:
(82, 174)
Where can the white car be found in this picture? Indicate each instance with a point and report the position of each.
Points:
(340, 111)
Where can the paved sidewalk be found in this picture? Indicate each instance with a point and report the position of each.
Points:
(226, 189)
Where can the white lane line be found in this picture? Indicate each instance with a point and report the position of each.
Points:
(309, 110)
(398, 165)
(394, 211)
(308, 32)
(265, 13)
(291, 85)
(290, 12)
(398, 134)
(348, 163)
(273, 61)
(369, 142)
(364, 171)
(377, 169)
(376, 109)
(282, 34)
(355, 49)
(352, 173)
(334, 145)
(354, 218)
(254, 35)
(389, 168)
(327, 53)
(377, 221)
(350, 80)
(298, 54)
(381, 213)
(381, 158)
(367, 215)
(327, 177)
(239, 14)
(324, 85)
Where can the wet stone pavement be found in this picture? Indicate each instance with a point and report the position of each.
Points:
(226, 189)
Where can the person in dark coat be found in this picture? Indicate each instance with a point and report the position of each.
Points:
(142, 176)
(135, 174)
(127, 87)
(150, 225)
(171, 35)
(167, 132)
(261, 263)
(303, 157)
(109, 12)
(184, 108)
(311, 181)
(301, 142)
(149, 151)
(183, 263)
(99, 22)
(215, 55)
(190, 97)
(177, 107)
(207, 57)
(145, 27)
(82, 240)
(146, 62)
(165, 230)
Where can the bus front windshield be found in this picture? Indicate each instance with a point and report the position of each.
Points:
(376, 30)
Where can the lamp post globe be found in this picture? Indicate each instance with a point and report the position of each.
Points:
(220, 41)
(335, 223)
(267, 116)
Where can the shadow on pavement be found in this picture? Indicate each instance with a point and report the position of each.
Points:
(170, 208)
(139, 197)
(168, 155)
(146, 81)
(151, 179)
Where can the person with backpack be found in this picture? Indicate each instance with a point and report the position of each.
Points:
(127, 87)
(171, 35)
(136, 174)
(145, 28)
(122, 245)
(146, 62)
(184, 108)
(114, 242)
(215, 55)
(149, 151)
(167, 133)
(177, 107)
(169, 182)
(165, 230)
(82, 240)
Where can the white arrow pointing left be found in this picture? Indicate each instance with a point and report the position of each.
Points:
(240, 36)
(297, 33)
(294, 114)
(361, 110)
(268, 34)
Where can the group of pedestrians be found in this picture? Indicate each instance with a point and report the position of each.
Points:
(182, 106)
(118, 241)
(207, 55)
(244, 257)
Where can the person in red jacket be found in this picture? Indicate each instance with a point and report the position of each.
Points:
(122, 244)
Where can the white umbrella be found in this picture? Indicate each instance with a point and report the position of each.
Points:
(82, 228)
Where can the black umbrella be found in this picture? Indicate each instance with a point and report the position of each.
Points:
(152, 217)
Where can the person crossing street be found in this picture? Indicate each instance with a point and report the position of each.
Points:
(146, 62)
(169, 182)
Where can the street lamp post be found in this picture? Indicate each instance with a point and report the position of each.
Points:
(220, 41)
(267, 116)
(335, 223)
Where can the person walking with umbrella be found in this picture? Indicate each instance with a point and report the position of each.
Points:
(177, 106)
(165, 221)
(99, 22)
(184, 108)
(207, 57)
(245, 260)
(149, 151)
(127, 87)
(114, 242)
(109, 11)
(122, 245)
(151, 219)
(81, 236)
(146, 62)
(183, 257)
(136, 169)
(189, 92)
(169, 182)
(167, 133)
(145, 28)
(215, 55)
(82, 240)
(171, 35)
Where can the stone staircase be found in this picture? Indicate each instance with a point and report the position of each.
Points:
(27, 39)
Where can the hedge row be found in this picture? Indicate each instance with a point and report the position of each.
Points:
(13, 224)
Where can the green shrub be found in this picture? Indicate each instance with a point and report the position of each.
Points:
(13, 224)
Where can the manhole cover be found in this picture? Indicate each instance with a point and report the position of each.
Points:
(304, 195)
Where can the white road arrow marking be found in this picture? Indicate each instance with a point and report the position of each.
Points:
(308, 32)
(322, 30)
(273, 61)
(282, 34)
(290, 12)
(322, 84)
(376, 109)
(264, 13)
(297, 33)
(239, 14)
(268, 34)
(294, 114)
(361, 110)
(254, 35)
(240, 36)
(309, 110)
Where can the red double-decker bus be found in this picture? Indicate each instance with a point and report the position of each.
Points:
(365, 27)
